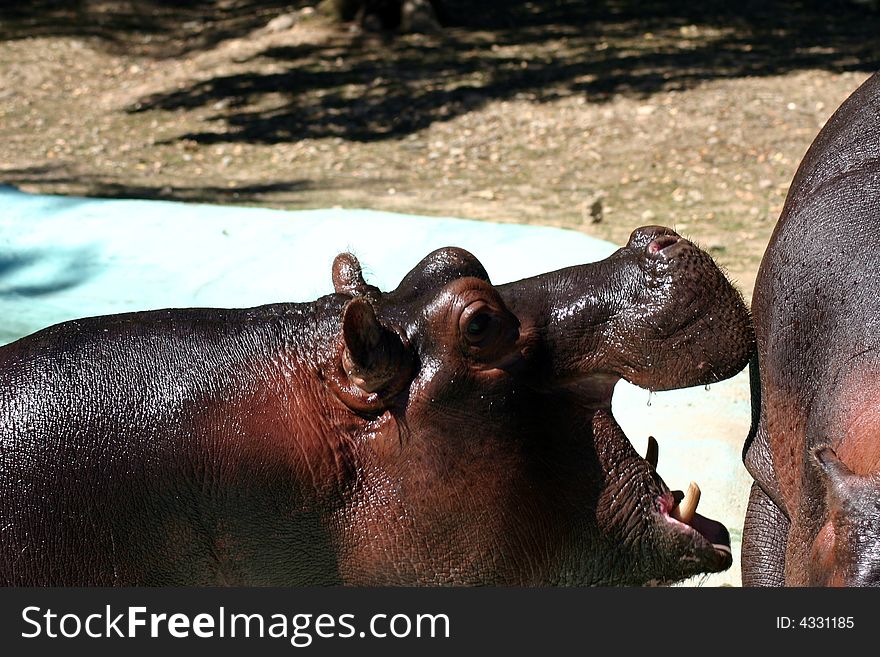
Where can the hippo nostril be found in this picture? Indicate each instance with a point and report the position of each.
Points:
(657, 245)
(643, 236)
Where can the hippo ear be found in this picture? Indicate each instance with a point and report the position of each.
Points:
(374, 355)
(348, 277)
(840, 482)
(830, 464)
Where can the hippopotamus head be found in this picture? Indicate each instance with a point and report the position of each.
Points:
(846, 551)
(478, 424)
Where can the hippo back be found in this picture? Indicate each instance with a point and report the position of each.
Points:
(816, 306)
(124, 457)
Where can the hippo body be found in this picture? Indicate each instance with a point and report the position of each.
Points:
(814, 451)
(448, 432)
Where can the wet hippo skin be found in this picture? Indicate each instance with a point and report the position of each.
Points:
(814, 450)
(447, 432)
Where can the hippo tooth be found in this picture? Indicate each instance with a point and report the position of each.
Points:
(688, 506)
(653, 452)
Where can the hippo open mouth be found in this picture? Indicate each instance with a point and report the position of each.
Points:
(668, 320)
(636, 500)
(710, 538)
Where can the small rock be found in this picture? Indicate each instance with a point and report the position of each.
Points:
(418, 16)
(597, 211)
(281, 23)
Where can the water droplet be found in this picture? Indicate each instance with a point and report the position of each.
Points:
(707, 388)
(650, 394)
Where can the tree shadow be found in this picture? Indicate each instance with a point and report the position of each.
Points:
(366, 89)
(157, 28)
(358, 89)
(96, 187)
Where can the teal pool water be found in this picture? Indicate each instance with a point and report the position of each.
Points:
(62, 257)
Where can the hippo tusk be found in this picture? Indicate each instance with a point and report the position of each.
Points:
(686, 509)
(653, 452)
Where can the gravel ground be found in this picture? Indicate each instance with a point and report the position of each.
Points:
(599, 130)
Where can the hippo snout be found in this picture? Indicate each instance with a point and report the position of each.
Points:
(658, 312)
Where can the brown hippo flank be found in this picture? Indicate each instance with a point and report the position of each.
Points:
(814, 450)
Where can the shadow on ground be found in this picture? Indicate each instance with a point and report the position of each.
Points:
(365, 88)
(359, 90)
(98, 187)
(159, 28)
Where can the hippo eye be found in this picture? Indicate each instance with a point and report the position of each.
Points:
(478, 325)
(481, 325)
(486, 331)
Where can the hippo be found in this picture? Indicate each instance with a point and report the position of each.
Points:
(450, 432)
(813, 517)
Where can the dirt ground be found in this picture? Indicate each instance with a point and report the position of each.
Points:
(599, 121)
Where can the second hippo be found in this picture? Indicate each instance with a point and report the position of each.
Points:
(814, 450)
